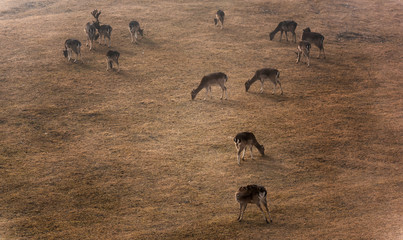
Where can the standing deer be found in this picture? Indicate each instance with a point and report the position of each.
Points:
(314, 38)
(72, 45)
(246, 139)
(112, 57)
(252, 194)
(263, 74)
(207, 81)
(104, 31)
(135, 30)
(285, 26)
(303, 49)
(92, 34)
(219, 18)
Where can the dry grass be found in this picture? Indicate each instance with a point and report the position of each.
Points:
(90, 154)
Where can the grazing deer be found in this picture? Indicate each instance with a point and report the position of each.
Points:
(219, 18)
(92, 34)
(246, 139)
(303, 49)
(207, 81)
(314, 38)
(252, 194)
(112, 56)
(104, 31)
(263, 74)
(72, 45)
(135, 30)
(285, 26)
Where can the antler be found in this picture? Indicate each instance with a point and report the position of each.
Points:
(96, 14)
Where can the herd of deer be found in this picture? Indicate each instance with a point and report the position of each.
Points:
(250, 193)
(96, 31)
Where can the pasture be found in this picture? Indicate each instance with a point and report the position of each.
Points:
(87, 153)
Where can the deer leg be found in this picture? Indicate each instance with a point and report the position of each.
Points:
(275, 84)
(261, 85)
(267, 209)
(286, 36)
(264, 215)
(206, 94)
(241, 210)
(280, 86)
(281, 35)
(224, 91)
(324, 55)
(239, 154)
(250, 148)
(243, 154)
(135, 36)
(298, 56)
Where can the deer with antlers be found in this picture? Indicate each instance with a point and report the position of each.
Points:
(105, 31)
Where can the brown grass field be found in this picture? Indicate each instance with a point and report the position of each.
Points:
(91, 154)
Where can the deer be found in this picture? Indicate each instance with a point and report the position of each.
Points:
(112, 57)
(243, 140)
(92, 34)
(314, 38)
(135, 30)
(263, 74)
(72, 45)
(252, 194)
(207, 81)
(303, 49)
(285, 26)
(104, 31)
(219, 18)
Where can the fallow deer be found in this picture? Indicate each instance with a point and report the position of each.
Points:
(104, 31)
(265, 74)
(246, 139)
(72, 45)
(219, 18)
(285, 26)
(112, 57)
(135, 30)
(92, 34)
(252, 194)
(303, 49)
(314, 38)
(207, 81)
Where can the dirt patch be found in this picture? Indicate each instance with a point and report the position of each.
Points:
(350, 36)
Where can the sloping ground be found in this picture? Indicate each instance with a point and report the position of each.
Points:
(90, 154)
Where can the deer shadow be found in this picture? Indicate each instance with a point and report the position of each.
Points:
(273, 97)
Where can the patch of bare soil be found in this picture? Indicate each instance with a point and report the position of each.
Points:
(360, 37)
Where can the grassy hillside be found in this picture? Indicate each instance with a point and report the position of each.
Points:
(91, 154)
